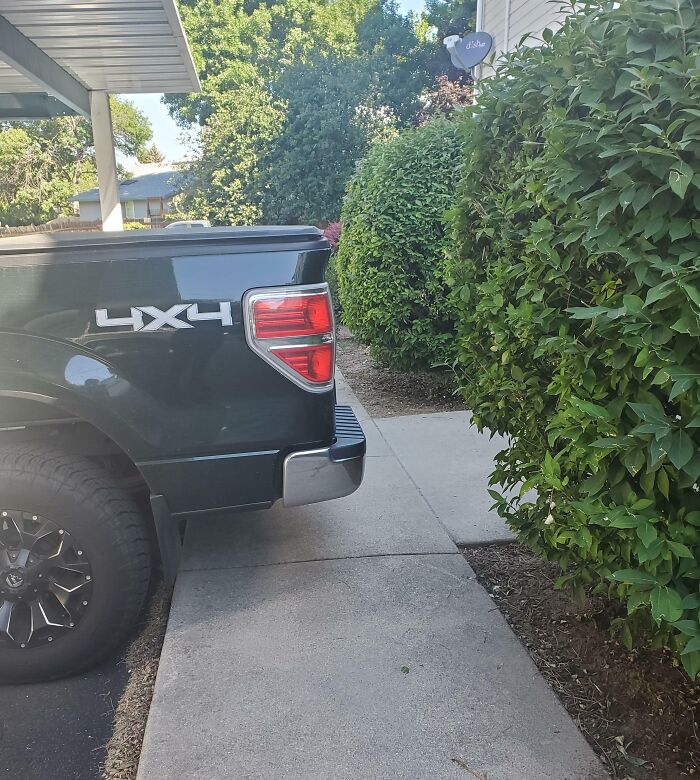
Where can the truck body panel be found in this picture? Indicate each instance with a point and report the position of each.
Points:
(207, 422)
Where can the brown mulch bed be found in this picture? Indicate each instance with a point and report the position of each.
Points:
(141, 659)
(637, 709)
(385, 392)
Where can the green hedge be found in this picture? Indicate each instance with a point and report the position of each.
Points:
(577, 274)
(390, 264)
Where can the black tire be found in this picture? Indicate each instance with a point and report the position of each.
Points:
(104, 522)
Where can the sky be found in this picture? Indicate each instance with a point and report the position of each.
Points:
(168, 137)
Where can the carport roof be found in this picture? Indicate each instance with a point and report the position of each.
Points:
(67, 48)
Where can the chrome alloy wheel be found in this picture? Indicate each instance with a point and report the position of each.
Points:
(45, 580)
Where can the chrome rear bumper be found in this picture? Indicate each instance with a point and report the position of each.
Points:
(330, 472)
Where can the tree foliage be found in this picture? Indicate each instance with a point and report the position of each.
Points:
(578, 284)
(294, 93)
(151, 154)
(44, 163)
(390, 263)
(451, 17)
(332, 117)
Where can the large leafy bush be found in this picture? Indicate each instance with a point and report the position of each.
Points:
(577, 271)
(390, 263)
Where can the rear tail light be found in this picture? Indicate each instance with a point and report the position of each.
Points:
(292, 329)
(298, 315)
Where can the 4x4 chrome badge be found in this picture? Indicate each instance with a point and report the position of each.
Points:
(162, 319)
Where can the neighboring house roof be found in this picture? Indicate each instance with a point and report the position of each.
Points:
(164, 184)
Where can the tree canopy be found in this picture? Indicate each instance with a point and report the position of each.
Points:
(44, 163)
(294, 94)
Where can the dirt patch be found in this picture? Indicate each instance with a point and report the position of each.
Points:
(385, 392)
(141, 660)
(637, 709)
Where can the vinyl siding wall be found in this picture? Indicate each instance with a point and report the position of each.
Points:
(525, 18)
(89, 211)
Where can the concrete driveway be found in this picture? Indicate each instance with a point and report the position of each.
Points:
(351, 640)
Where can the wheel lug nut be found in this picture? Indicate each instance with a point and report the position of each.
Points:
(50, 639)
(34, 517)
(88, 578)
(60, 531)
(85, 603)
(80, 552)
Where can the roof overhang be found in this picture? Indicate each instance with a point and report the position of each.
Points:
(60, 50)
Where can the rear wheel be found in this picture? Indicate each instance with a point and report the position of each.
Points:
(75, 564)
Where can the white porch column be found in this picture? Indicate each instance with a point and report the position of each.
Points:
(101, 118)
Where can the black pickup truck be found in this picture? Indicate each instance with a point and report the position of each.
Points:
(147, 377)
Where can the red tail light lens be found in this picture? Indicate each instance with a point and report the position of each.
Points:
(314, 363)
(291, 328)
(298, 315)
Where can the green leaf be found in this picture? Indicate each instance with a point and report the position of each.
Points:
(680, 448)
(646, 533)
(662, 482)
(636, 599)
(665, 604)
(587, 312)
(679, 178)
(687, 627)
(680, 228)
(595, 482)
(660, 291)
(650, 553)
(620, 166)
(691, 601)
(693, 518)
(634, 577)
(626, 521)
(680, 550)
(693, 646)
(610, 443)
(650, 413)
(591, 409)
(584, 538)
(633, 304)
(691, 664)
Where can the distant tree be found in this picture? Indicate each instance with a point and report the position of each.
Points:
(131, 128)
(450, 17)
(301, 177)
(151, 154)
(223, 178)
(44, 163)
(294, 93)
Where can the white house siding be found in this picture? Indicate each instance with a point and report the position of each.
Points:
(493, 21)
(531, 17)
(509, 21)
(90, 211)
(140, 209)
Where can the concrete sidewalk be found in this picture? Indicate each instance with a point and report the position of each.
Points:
(350, 640)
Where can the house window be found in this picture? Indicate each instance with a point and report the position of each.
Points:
(154, 209)
(129, 209)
